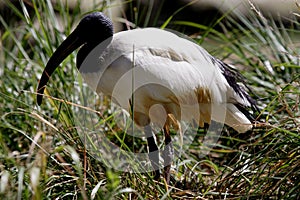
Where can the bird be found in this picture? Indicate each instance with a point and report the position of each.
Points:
(145, 67)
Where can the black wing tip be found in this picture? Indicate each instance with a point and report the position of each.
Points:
(233, 77)
(252, 112)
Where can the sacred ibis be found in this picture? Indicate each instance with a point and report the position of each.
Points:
(168, 70)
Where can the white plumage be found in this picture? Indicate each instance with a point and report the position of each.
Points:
(154, 56)
(144, 67)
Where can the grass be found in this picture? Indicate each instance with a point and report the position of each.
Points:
(43, 154)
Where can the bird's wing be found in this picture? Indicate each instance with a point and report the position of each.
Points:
(180, 63)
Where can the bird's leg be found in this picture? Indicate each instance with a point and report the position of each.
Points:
(168, 153)
(153, 151)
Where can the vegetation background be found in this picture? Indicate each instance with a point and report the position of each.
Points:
(43, 157)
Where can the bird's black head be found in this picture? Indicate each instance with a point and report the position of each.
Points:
(93, 29)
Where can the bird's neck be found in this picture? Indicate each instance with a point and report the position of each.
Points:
(87, 51)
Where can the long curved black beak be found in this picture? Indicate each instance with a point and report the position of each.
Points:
(71, 43)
